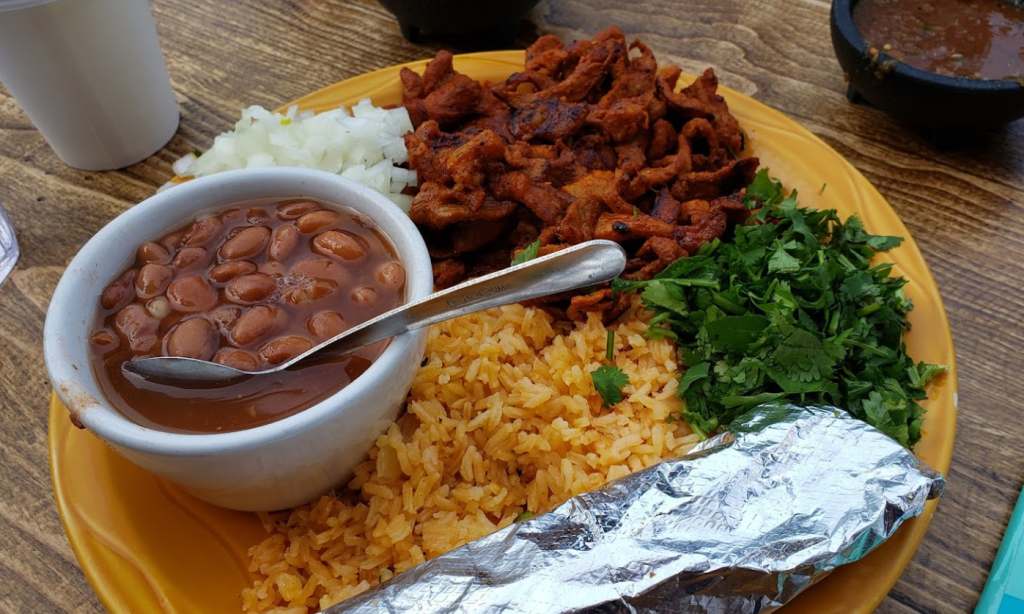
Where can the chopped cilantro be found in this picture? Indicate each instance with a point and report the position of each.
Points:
(782, 262)
(883, 244)
(694, 375)
(529, 253)
(609, 380)
(524, 516)
(792, 309)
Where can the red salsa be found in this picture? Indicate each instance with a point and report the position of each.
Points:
(976, 39)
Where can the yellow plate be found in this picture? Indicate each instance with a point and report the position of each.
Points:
(147, 547)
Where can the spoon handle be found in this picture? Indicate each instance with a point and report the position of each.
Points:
(579, 266)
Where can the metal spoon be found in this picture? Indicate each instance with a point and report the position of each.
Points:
(579, 266)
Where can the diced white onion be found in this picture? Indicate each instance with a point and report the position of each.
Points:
(365, 145)
(182, 164)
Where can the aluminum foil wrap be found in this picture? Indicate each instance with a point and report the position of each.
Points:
(743, 523)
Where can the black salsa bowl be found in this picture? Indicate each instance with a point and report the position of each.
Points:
(496, 19)
(917, 97)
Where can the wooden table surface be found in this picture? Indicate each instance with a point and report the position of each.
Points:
(964, 206)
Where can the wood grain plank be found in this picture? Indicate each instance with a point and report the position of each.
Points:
(964, 204)
(38, 571)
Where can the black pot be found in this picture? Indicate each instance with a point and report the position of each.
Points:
(498, 20)
(917, 97)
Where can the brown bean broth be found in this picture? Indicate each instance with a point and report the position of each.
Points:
(311, 291)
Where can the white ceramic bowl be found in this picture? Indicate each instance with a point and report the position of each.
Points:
(275, 466)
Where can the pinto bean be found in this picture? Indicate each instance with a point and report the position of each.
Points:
(283, 242)
(192, 338)
(364, 296)
(250, 289)
(284, 348)
(224, 319)
(274, 269)
(152, 280)
(256, 216)
(320, 288)
(255, 323)
(190, 259)
(202, 232)
(340, 244)
(174, 240)
(120, 292)
(365, 221)
(137, 328)
(326, 324)
(319, 268)
(308, 290)
(105, 341)
(312, 222)
(246, 243)
(391, 275)
(296, 209)
(153, 252)
(234, 357)
(223, 273)
(191, 294)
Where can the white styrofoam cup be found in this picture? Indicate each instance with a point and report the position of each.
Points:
(91, 76)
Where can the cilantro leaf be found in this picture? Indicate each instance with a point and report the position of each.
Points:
(749, 402)
(882, 244)
(692, 375)
(859, 285)
(887, 411)
(735, 333)
(608, 381)
(763, 190)
(922, 374)
(666, 296)
(700, 424)
(686, 267)
(805, 357)
(660, 332)
(853, 230)
(782, 262)
(528, 253)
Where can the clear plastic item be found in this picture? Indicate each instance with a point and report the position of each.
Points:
(91, 76)
(8, 245)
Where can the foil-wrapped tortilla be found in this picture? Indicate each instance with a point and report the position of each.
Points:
(744, 523)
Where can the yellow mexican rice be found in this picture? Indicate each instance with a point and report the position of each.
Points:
(495, 430)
